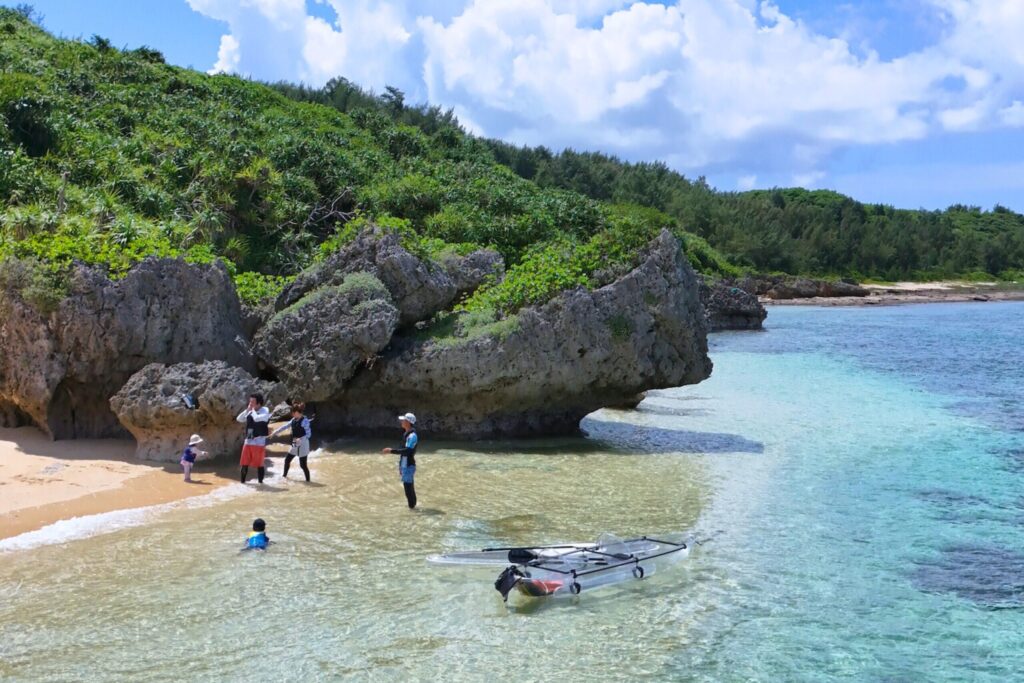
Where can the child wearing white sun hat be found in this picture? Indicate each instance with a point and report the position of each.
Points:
(188, 456)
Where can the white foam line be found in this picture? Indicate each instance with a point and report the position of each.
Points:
(88, 526)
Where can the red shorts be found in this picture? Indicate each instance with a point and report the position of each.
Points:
(252, 456)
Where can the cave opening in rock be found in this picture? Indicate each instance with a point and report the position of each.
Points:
(81, 411)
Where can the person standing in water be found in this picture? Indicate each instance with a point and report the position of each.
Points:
(301, 433)
(407, 457)
(256, 417)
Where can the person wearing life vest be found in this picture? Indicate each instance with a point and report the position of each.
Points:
(407, 457)
(256, 418)
(258, 539)
(302, 431)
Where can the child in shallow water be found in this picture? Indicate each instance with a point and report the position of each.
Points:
(188, 456)
(258, 539)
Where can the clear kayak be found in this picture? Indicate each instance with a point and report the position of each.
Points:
(569, 569)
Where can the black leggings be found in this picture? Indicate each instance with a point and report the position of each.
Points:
(260, 471)
(302, 463)
(410, 494)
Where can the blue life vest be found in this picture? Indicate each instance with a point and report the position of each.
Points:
(257, 540)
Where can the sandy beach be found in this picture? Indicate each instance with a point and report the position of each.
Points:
(43, 481)
(896, 293)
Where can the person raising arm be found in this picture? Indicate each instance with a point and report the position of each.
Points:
(256, 418)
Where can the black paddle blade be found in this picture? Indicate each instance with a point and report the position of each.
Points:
(521, 556)
(507, 580)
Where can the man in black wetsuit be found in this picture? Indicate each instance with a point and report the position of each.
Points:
(407, 457)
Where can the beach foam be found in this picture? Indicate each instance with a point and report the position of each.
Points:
(89, 526)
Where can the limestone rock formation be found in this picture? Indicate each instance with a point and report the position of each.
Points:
(418, 288)
(472, 270)
(787, 287)
(151, 406)
(59, 369)
(728, 307)
(318, 343)
(544, 371)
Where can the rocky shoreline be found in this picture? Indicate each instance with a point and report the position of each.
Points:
(912, 293)
(365, 335)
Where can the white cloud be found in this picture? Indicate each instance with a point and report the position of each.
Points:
(808, 180)
(706, 84)
(279, 39)
(228, 55)
(1013, 115)
(746, 182)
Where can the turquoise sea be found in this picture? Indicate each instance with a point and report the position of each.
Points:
(855, 476)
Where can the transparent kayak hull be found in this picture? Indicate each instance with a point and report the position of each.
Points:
(572, 568)
(500, 556)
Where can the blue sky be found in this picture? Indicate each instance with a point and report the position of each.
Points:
(916, 103)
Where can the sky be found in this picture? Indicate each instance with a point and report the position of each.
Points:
(914, 103)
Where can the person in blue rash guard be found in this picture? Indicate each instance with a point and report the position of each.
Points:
(407, 457)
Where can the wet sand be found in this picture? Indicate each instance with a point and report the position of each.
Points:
(43, 481)
(897, 293)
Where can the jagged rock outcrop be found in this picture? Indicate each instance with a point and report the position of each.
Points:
(544, 371)
(418, 288)
(787, 287)
(151, 407)
(60, 368)
(728, 307)
(472, 270)
(316, 345)
(122, 352)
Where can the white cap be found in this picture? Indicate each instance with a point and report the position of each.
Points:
(408, 417)
(194, 439)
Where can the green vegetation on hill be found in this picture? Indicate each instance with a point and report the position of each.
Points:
(795, 231)
(109, 156)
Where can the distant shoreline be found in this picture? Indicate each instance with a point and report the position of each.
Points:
(899, 293)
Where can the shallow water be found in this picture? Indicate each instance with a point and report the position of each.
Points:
(855, 476)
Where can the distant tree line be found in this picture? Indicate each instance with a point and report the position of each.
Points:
(791, 230)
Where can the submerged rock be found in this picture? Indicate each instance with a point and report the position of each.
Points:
(542, 371)
(59, 369)
(152, 407)
(318, 343)
(728, 307)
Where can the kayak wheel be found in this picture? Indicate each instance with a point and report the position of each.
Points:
(575, 588)
(638, 572)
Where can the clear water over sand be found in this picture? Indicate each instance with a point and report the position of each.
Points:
(856, 473)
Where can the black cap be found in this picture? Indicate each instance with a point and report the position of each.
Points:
(259, 525)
